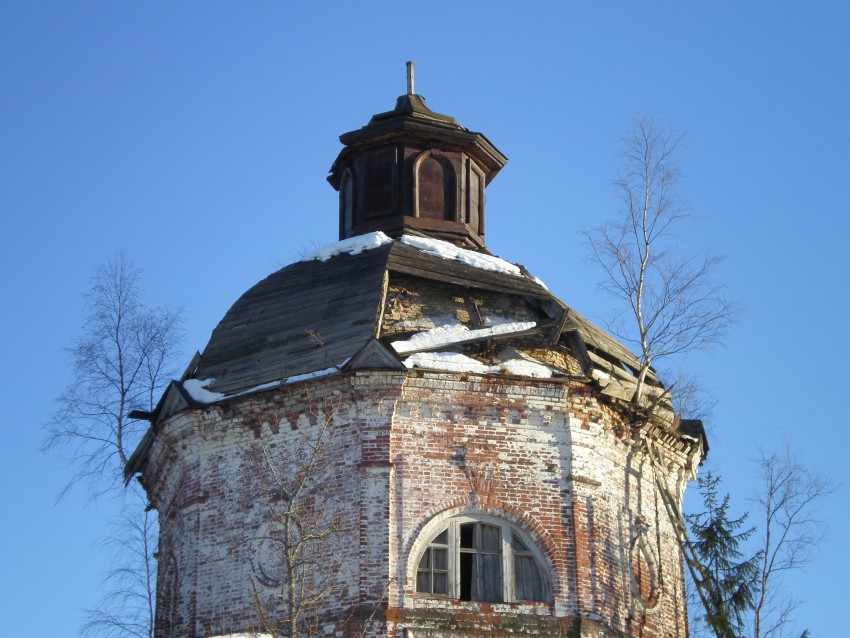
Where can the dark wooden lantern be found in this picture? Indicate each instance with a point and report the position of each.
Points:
(411, 169)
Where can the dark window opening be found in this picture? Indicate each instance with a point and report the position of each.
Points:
(381, 184)
(468, 560)
(434, 196)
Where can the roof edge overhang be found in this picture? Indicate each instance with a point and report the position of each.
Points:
(175, 399)
(417, 132)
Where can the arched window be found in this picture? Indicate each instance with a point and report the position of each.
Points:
(434, 195)
(481, 559)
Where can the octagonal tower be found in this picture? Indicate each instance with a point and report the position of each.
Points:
(403, 435)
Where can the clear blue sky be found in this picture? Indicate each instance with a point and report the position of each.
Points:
(196, 137)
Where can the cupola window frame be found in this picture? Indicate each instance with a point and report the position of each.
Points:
(439, 199)
(381, 184)
(480, 558)
(347, 203)
(474, 204)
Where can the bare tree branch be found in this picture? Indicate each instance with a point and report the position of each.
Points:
(303, 551)
(790, 532)
(304, 525)
(127, 607)
(673, 304)
(121, 362)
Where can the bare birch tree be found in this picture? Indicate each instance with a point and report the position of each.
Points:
(122, 362)
(790, 533)
(127, 607)
(673, 305)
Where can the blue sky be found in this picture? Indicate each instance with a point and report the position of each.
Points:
(196, 137)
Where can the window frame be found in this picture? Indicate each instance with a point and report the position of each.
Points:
(507, 532)
(450, 212)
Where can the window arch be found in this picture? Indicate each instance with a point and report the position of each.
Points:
(481, 559)
(433, 188)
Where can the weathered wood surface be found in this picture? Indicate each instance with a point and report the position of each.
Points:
(306, 317)
(312, 315)
(411, 261)
(600, 340)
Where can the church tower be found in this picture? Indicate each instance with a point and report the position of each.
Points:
(403, 435)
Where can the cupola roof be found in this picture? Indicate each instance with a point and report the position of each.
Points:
(414, 170)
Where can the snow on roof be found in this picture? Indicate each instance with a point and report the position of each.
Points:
(351, 246)
(600, 375)
(454, 362)
(436, 247)
(197, 389)
(523, 365)
(448, 334)
(316, 373)
(525, 368)
(445, 250)
(540, 283)
(446, 361)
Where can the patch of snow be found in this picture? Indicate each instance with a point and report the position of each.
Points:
(315, 374)
(351, 246)
(445, 250)
(446, 361)
(197, 389)
(526, 368)
(454, 362)
(452, 333)
(523, 365)
(540, 283)
(256, 388)
(599, 375)
(497, 320)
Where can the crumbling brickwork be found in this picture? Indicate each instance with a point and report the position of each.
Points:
(405, 454)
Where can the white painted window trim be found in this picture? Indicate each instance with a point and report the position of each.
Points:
(508, 580)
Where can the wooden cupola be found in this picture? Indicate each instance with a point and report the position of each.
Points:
(411, 169)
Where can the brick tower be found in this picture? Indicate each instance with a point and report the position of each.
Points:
(403, 435)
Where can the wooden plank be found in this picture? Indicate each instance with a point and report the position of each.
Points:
(382, 304)
(576, 344)
(558, 327)
(414, 262)
(472, 308)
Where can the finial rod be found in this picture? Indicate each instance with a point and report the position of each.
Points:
(410, 90)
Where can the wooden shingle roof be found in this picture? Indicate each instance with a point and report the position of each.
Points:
(314, 315)
(308, 316)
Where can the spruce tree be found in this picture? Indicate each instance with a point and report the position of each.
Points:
(726, 580)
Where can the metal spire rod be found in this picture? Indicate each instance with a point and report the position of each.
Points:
(410, 90)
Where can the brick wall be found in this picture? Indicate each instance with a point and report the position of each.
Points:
(403, 455)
